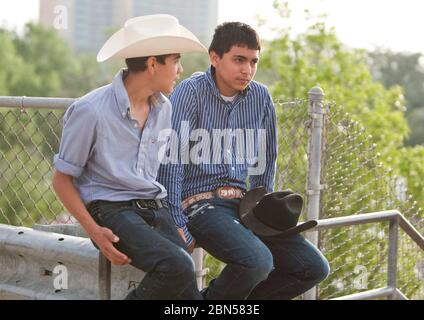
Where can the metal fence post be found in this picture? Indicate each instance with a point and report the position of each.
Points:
(198, 262)
(316, 112)
(392, 259)
(104, 277)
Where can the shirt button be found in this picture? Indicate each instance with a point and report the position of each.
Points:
(135, 125)
(228, 151)
(124, 114)
(232, 168)
(139, 170)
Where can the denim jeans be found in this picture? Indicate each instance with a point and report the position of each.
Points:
(217, 229)
(299, 266)
(150, 239)
(267, 268)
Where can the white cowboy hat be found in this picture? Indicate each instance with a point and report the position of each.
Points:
(150, 35)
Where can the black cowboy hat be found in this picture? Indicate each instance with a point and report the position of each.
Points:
(272, 214)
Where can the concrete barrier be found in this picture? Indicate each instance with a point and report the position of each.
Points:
(57, 262)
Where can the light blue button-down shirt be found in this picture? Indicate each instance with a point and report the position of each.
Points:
(105, 151)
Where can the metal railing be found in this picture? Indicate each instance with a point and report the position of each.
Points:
(36, 102)
(396, 220)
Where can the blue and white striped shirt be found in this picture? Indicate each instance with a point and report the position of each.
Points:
(198, 109)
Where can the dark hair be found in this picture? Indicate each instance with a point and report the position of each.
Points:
(139, 63)
(230, 34)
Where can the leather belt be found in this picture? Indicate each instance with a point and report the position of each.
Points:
(152, 204)
(222, 193)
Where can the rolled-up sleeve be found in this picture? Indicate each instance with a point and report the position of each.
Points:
(78, 138)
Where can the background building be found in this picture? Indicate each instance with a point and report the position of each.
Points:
(86, 24)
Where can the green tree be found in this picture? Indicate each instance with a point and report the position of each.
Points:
(192, 63)
(57, 70)
(296, 64)
(49, 58)
(403, 69)
(14, 72)
(416, 120)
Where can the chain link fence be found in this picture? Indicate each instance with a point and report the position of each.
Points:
(355, 181)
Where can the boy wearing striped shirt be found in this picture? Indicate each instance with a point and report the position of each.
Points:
(226, 126)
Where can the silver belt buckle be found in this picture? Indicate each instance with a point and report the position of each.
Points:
(139, 205)
(196, 211)
(226, 192)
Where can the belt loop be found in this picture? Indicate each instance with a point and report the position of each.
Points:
(159, 203)
(215, 193)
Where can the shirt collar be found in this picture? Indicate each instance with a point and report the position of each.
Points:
(157, 99)
(210, 76)
(121, 94)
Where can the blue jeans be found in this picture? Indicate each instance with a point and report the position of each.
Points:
(218, 230)
(299, 266)
(150, 239)
(267, 268)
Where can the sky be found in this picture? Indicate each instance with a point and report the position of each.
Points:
(390, 24)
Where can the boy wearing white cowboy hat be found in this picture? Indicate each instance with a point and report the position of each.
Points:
(107, 162)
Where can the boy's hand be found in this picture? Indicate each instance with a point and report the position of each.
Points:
(104, 238)
(182, 235)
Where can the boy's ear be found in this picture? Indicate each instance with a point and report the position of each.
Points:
(214, 58)
(151, 64)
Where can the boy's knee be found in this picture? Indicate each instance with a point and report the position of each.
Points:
(180, 265)
(319, 271)
(262, 264)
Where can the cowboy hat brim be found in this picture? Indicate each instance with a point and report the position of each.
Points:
(251, 222)
(118, 46)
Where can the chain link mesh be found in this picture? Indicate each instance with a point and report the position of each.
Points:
(356, 181)
(354, 177)
(28, 141)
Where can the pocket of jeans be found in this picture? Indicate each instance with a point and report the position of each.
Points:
(196, 205)
(95, 213)
(149, 216)
(104, 210)
(199, 209)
